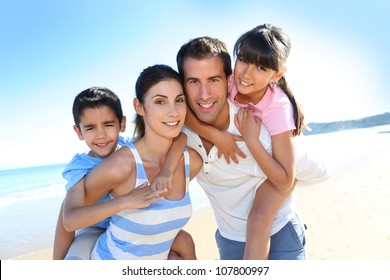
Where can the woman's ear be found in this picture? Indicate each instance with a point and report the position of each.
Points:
(138, 107)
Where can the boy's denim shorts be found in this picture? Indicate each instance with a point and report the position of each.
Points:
(286, 244)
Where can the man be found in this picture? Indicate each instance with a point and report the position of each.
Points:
(205, 66)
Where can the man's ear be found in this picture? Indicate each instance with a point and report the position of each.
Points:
(229, 80)
(78, 132)
(138, 107)
(123, 124)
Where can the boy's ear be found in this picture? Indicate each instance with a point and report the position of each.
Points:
(123, 124)
(229, 80)
(138, 107)
(78, 132)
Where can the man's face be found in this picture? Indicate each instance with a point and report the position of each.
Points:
(206, 86)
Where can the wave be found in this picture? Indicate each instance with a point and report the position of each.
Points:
(41, 193)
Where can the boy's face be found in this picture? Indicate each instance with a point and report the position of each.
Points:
(100, 128)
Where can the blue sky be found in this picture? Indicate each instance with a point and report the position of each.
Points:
(52, 50)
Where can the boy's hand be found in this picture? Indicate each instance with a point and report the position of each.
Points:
(247, 124)
(161, 181)
(225, 142)
(142, 196)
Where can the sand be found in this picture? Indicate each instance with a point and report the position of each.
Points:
(347, 216)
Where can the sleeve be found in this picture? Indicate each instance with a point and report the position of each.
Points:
(279, 117)
(78, 167)
(310, 169)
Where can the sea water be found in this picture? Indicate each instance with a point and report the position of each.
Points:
(30, 199)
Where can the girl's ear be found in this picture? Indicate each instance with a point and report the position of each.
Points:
(138, 107)
(123, 124)
(278, 75)
(78, 132)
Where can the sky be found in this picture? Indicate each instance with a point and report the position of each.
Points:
(52, 50)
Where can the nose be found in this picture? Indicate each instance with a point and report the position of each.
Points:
(247, 70)
(100, 132)
(172, 110)
(204, 92)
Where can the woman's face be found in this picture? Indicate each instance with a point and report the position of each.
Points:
(164, 109)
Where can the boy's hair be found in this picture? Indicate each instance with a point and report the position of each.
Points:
(204, 47)
(96, 97)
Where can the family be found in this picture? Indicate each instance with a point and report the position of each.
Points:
(234, 130)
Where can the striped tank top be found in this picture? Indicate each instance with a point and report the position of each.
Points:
(146, 233)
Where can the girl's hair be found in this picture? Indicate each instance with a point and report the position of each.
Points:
(96, 97)
(148, 78)
(268, 46)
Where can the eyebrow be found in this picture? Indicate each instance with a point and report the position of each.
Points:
(164, 96)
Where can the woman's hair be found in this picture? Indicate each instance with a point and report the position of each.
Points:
(148, 78)
(96, 97)
(268, 46)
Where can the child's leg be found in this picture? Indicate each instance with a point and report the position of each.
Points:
(83, 244)
(62, 239)
(183, 247)
(266, 204)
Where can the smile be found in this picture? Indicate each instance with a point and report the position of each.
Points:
(172, 123)
(245, 84)
(206, 105)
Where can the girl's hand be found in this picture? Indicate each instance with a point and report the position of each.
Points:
(142, 196)
(225, 142)
(247, 124)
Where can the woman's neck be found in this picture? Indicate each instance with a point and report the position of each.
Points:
(151, 149)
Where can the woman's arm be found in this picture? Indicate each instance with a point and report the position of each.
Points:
(280, 167)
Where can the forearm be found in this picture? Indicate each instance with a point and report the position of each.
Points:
(279, 176)
(174, 154)
(85, 216)
(62, 239)
(204, 130)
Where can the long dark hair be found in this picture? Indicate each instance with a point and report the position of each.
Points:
(268, 46)
(147, 79)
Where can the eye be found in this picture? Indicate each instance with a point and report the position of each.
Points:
(192, 82)
(159, 101)
(180, 100)
(262, 68)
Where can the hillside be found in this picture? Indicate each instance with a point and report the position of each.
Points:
(317, 128)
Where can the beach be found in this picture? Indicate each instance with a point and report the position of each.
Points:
(347, 216)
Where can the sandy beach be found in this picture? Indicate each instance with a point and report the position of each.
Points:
(347, 216)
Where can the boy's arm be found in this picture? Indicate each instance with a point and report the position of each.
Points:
(62, 238)
(76, 215)
(223, 140)
(163, 180)
(278, 167)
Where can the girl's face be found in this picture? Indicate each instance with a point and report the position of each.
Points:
(100, 128)
(253, 80)
(164, 109)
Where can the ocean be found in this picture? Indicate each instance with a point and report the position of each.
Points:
(30, 199)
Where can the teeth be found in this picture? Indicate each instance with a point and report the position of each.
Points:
(206, 106)
(244, 83)
(171, 123)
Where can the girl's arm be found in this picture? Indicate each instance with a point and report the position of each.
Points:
(163, 180)
(278, 167)
(224, 141)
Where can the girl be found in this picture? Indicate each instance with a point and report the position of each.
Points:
(141, 229)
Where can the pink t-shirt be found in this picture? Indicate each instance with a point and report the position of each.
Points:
(274, 109)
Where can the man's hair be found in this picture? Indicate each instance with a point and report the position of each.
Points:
(204, 47)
